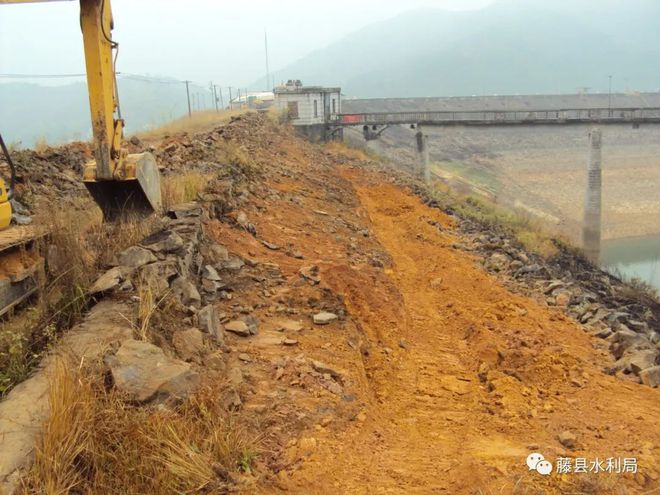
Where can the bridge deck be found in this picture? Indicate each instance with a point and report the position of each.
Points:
(498, 117)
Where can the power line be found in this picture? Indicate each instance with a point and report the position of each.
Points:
(40, 76)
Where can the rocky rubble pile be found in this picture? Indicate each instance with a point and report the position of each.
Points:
(162, 264)
(51, 174)
(606, 307)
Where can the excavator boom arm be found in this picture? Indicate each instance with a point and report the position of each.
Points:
(96, 26)
(118, 182)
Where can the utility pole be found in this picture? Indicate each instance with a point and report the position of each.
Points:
(214, 96)
(240, 104)
(222, 103)
(267, 67)
(591, 228)
(188, 95)
(231, 105)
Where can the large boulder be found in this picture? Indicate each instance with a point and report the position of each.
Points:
(143, 372)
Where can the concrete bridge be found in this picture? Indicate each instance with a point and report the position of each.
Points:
(633, 116)
(593, 110)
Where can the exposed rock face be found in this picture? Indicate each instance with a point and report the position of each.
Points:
(145, 374)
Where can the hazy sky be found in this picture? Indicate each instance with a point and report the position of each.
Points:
(200, 40)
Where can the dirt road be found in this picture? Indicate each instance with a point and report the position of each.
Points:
(470, 378)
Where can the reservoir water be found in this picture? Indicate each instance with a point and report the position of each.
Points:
(634, 258)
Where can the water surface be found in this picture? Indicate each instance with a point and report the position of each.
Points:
(637, 257)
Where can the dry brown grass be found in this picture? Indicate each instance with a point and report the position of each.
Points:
(197, 122)
(181, 188)
(353, 153)
(93, 442)
(530, 232)
(80, 245)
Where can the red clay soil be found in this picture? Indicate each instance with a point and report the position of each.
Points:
(449, 380)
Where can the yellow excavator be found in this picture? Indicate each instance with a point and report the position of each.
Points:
(119, 182)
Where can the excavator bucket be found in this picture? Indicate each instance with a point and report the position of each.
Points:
(136, 194)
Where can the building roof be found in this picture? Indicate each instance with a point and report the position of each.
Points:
(304, 90)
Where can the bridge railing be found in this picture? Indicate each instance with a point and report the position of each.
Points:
(496, 116)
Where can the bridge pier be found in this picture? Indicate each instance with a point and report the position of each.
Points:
(591, 229)
(423, 154)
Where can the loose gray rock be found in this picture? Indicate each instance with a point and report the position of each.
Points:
(146, 374)
(234, 263)
(253, 324)
(19, 219)
(209, 322)
(325, 369)
(186, 292)
(219, 253)
(650, 376)
(242, 219)
(108, 281)
(189, 344)
(567, 439)
(324, 318)
(158, 275)
(135, 257)
(238, 327)
(270, 245)
(210, 273)
(18, 207)
(164, 242)
(215, 361)
(642, 360)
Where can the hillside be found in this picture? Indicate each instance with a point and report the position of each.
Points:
(510, 47)
(310, 320)
(30, 112)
